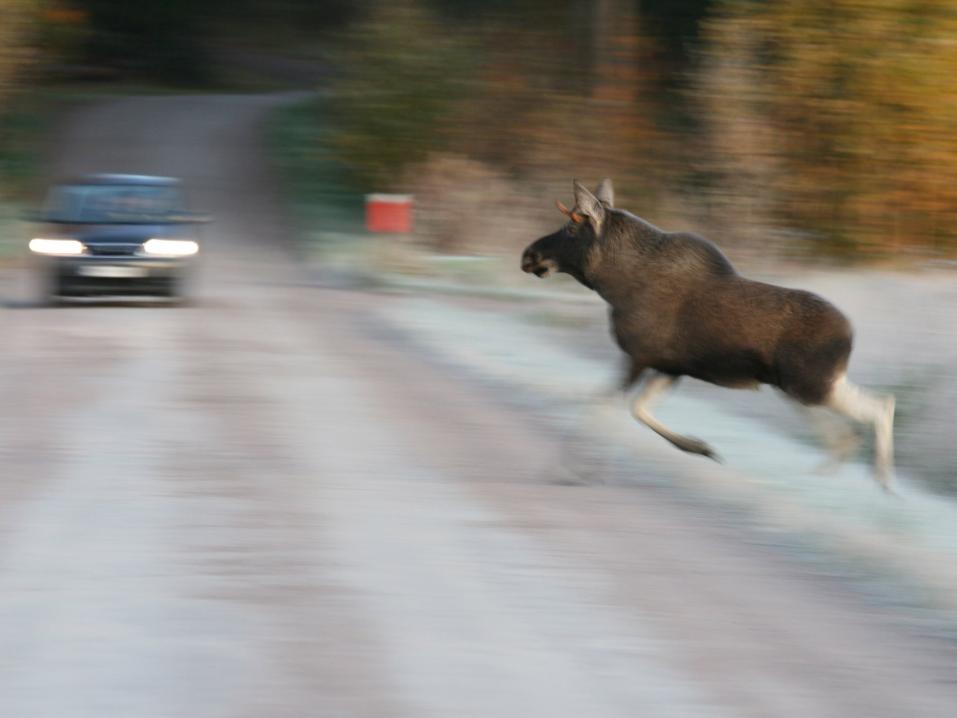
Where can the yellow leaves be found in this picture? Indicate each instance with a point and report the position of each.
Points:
(60, 15)
(857, 98)
(15, 26)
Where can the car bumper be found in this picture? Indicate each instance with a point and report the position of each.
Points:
(84, 276)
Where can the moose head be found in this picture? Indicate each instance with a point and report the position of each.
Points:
(566, 250)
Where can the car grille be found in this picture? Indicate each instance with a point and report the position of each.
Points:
(112, 249)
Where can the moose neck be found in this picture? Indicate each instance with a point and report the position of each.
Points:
(573, 260)
(627, 242)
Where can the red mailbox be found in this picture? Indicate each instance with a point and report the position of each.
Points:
(389, 213)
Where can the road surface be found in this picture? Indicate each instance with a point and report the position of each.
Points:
(268, 505)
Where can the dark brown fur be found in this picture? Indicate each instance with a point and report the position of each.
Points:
(679, 307)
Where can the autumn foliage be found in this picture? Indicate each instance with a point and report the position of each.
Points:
(810, 127)
(838, 118)
(822, 126)
(17, 18)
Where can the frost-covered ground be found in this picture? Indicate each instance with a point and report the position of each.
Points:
(905, 344)
(559, 353)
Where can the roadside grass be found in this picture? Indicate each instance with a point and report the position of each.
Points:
(11, 231)
(26, 124)
(326, 205)
(325, 209)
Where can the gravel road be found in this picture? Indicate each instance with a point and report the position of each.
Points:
(265, 505)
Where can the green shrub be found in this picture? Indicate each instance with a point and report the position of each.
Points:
(402, 76)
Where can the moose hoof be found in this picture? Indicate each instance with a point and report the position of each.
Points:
(883, 475)
(697, 446)
(889, 490)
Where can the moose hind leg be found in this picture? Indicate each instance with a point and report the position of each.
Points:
(867, 408)
(650, 393)
(840, 437)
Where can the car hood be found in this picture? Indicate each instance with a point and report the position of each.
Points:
(121, 233)
(114, 233)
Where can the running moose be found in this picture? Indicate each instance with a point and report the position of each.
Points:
(678, 307)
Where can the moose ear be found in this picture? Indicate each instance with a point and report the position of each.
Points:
(590, 206)
(606, 193)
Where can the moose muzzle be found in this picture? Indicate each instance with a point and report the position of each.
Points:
(534, 263)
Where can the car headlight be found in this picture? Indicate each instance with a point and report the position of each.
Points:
(170, 247)
(57, 247)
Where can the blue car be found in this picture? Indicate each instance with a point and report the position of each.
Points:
(113, 234)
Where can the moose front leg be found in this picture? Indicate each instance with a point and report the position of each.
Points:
(840, 438)
(866, 408)
(652, 390)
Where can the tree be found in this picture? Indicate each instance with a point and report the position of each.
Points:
(19, 17)
(837, 117)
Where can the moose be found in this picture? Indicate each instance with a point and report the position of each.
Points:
(679, 308)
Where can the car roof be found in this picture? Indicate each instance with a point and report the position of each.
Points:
(121, 179)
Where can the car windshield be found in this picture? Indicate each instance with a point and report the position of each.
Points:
(113, 203)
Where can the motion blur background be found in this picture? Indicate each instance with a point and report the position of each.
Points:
(356, 477)
(823, 130)
(797, 135)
